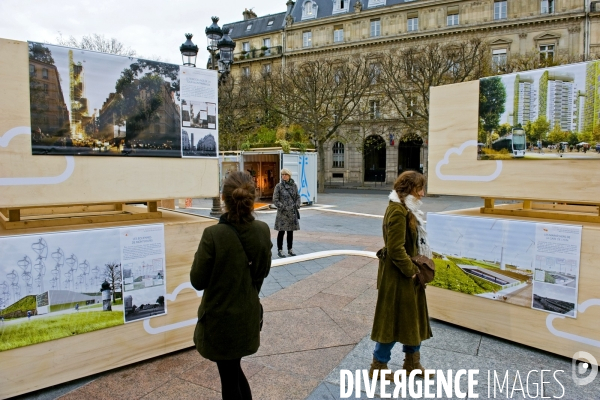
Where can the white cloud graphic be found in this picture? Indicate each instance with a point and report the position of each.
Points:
(565, 335)
(467, 178)
(46, 180)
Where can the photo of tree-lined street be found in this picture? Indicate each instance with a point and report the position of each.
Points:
(541, 114)
(89, 103)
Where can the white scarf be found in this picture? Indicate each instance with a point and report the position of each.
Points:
(413, 204)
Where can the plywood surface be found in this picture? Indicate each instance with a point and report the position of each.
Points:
(455, 170)
(80, 180)
(46, 364)
(535, 328)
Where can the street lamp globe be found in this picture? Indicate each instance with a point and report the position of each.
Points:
(189, 51)
(213, 34)
(226, 46)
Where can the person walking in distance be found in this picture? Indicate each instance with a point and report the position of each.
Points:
(401, 311)
(287, 201)
(230, 265)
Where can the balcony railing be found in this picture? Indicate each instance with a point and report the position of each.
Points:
(257, 53)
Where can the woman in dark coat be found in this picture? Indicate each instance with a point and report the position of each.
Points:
(401, 312)
(287, 201)
(232, 260)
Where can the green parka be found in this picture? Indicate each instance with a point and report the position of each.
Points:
(401, 311)
(228, 324)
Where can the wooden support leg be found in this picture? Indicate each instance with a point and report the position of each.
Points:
(152, 206)
(527, 204)
(488, 202)
(14, 215)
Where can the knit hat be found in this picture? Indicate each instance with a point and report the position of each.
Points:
(286, 171)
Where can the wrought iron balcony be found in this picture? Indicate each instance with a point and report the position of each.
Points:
(258, 53)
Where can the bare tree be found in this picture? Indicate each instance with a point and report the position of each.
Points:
(239, 115)
(112, 274)
(409, 73)
(318, 95)
(96, 42)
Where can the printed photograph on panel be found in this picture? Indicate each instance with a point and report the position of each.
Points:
(544, 114)
(516, 262)
(59, 284)
(97, 104)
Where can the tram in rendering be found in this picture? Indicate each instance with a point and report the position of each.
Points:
(513, 142)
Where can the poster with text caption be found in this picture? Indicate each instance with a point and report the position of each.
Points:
(199, 113)
(517, 262)
(143, 260)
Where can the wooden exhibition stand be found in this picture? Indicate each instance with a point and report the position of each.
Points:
(34, 367)
(45, 194)
(541, 191)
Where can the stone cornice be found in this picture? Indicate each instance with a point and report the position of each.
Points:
(441, 32)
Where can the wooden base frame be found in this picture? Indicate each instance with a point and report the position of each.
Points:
(51, 216)
(548, 209)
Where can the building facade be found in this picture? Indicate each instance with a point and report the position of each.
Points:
(310, 29)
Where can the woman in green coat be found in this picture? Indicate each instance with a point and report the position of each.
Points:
(232, 261)
(401, 311)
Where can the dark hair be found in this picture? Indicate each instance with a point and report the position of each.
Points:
(407, 183)
(238, 194)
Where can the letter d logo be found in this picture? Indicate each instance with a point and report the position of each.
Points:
(578, 370)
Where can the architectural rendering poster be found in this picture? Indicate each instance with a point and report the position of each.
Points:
(199, 113)
(143, 260)
(524, 263)
(544, 114)
(59, 284)
(88, 103)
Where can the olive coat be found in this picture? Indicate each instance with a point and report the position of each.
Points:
(229, 315)
(285, 198)
(401, 312)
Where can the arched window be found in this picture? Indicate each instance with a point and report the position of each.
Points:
(338, 155)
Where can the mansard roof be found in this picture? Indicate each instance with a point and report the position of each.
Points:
(258, 26)
(325, 8)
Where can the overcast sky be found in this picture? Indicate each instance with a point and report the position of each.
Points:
(150, 27)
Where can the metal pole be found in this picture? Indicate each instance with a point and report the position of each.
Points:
(216, 209)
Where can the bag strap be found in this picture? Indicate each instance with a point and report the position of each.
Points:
(294, 197)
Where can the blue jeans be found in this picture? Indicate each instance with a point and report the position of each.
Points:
(383, 351)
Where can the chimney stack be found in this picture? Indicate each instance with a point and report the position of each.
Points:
(249, 14)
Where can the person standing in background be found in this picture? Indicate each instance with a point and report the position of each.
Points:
(287, 201)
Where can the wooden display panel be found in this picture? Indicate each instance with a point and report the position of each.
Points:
(542, 330)
(27, 180)
(30, 368)
(453, 167)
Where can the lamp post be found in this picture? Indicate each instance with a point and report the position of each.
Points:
(220, 45)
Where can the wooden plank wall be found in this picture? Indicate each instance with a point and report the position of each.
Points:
(94, 179)
(454, 112)
(46, 364)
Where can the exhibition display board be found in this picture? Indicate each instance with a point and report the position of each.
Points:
(532, 268)
(93, 274)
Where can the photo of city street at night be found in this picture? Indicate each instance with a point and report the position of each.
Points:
(97, 104)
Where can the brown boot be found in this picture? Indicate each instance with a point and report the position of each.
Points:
(376, 365)
(412, 361)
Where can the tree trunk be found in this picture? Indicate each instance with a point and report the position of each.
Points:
(321, 166)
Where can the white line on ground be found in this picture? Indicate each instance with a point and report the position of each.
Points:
(321, 254)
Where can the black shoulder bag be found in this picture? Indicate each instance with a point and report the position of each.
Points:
(294, 198)
(249, 264)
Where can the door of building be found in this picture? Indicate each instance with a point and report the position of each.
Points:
(374, 156)
(409, 154)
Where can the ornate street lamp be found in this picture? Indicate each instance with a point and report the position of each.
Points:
(189, 51)
(213, 35)
(226, 46)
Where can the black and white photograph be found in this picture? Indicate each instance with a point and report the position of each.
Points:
(198, 114)
(97, 104)
(198, 143)
(554, 298)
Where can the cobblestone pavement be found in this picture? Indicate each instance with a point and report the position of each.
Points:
(318, 317)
